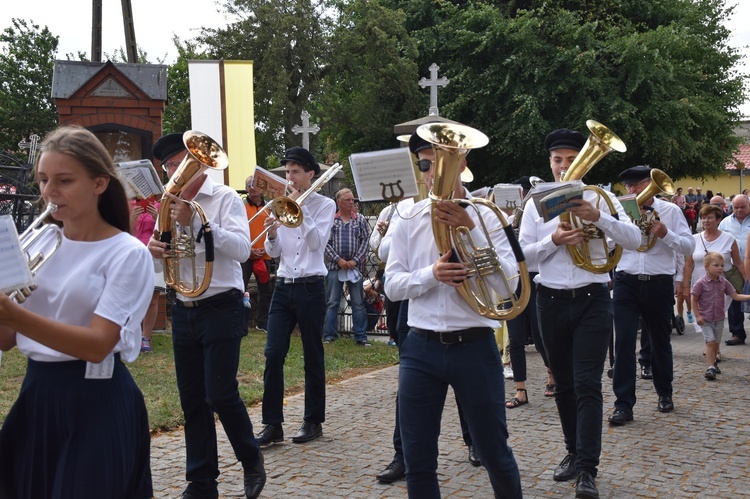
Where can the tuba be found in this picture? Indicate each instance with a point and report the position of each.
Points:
(660, 184)
(204, 153)
(601, 142)
(451, 143)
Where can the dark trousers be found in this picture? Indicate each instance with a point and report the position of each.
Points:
(653, 301)
(736, 320)
(403, 331)
(302, 304)
(517, 336)
(474, 371)
(206, 343)
(264, 293)
(576, 337)
(644, 354)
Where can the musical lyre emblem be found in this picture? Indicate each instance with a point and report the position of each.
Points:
(510, 204)
(392, 187)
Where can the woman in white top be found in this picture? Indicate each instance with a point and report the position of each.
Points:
(79, 427)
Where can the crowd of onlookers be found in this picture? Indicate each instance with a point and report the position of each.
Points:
(692, 202)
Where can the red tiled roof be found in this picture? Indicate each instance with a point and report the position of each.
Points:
(743, 155)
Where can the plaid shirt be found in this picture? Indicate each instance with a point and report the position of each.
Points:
(349, 240)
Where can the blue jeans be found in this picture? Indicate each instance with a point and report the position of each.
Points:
(300, 304)
(653, 301)
(576, 336)
(474, 370)
(206, 343)
(359, 314)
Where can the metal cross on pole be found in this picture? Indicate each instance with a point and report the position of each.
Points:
(31, 145)
(434, 82)
(306, 129)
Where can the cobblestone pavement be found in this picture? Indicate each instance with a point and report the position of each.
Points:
(701, 449)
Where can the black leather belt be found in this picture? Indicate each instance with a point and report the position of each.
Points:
(453, 337)
(298, 280)
(571, 293)
(645, 277)
(223, 296)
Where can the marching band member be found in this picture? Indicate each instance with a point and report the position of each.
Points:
(448, 344)
(644, 288)
(206, 334)
(573, 305)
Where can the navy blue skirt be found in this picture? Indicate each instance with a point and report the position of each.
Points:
(71, 437)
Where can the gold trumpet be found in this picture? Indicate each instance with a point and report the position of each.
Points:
(660, 184)
(204, 153)
(601, 142)
(451, 143)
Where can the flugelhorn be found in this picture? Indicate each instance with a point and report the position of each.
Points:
(601, 142)
(660, 184)
(204, 153)
(451, 143)
(30, 238)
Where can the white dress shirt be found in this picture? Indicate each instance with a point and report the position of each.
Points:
(302, 248)
(556, 267)
(740, 230)
(385, 241)
(660, 259)
(433, 305)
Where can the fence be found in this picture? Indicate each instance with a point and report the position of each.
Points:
(18, 193)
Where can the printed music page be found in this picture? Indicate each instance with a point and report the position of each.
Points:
(553, 198)
(268, 184)
(384, 175)
(508, 196)
(16, 273)
(140, 179)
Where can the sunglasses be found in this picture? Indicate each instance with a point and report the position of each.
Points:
(424, 165)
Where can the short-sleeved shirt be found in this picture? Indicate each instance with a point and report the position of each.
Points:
(710, 295)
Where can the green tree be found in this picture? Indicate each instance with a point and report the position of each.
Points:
(26, 63)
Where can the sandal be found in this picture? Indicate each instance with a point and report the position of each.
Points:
(515, 402)
(549, 390)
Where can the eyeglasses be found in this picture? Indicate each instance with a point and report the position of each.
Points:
(637, 182)
(424, 165)
(170, 164)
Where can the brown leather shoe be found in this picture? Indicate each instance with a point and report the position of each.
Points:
(735, 340)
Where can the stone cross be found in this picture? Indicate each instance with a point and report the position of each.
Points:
(306, 129)
(31, 145)
(434, 82)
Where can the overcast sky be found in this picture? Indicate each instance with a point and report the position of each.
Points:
(71, 22)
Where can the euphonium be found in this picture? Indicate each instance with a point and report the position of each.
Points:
(451, 143)
(601, 142)
(203, 153)
(660, 184)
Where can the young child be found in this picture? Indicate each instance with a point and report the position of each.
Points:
(708, 305)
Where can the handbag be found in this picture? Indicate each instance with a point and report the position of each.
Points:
(735, 278)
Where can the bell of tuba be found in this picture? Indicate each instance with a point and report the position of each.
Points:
(660, 184)
(204, 153)
(451, 144)
(601, 142)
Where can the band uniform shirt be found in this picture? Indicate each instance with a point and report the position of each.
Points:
(385, 241)
(348, 240)
(556, 267)
(433, 305)
(660, 259)
(739, 230)
(228, 221)
(256, 227)
(302, 248)
(712, 296)
(112, 278)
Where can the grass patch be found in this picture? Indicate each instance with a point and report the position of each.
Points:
(154, 373)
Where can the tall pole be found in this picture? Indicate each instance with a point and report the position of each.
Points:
(127, 19)
(96, 31)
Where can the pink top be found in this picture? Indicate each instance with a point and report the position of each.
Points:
(144, 225)
(710, 295)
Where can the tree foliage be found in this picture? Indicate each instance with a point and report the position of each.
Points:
(26, 66)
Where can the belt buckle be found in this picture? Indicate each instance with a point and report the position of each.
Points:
(190, 304)
(440, 337)
(643, 277)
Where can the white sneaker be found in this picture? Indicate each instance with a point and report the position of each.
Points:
(508, 372)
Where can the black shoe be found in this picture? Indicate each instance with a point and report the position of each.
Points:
(394, 472)
(255, 478)
(473, 458)
(309, 431)
(271, 434)
(665, 404)
(735, 340)
(190, 494)
(586, 486)
(620, 417)
(566, 470)
(646, 372)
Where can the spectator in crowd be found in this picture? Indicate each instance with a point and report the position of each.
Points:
(679, 199)
(738, 225)
(258, 263)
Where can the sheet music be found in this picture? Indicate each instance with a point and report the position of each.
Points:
(140, 179)
(268, 184)
(16, 273)
(508, 196)
(384, 175)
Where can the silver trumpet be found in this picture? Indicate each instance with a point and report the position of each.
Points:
(28, 239)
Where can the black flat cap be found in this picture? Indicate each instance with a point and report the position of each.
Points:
(301, 156)
(417, 143)
(524, 182)
(635, 174)
(167, 146)
(564, 139)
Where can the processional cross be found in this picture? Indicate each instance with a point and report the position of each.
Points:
(32, 145)
(306, 129)
(434, 82)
